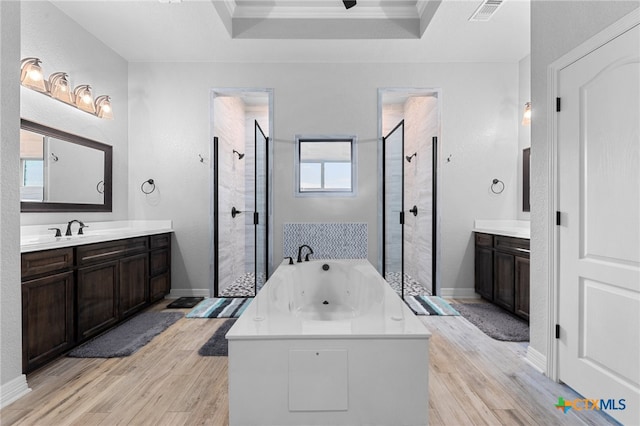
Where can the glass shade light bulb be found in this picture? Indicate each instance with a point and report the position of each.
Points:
(526, 117)
(59, 87)
(84, 98)
(31, 75)
(103, 106)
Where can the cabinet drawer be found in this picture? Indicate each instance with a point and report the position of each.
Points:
(102, 252)
(41, 262)
(484, 240)
(160, 240)
(519, 246)
(159, 261)
(159, 286)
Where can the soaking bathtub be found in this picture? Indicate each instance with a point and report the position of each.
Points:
(328, 342)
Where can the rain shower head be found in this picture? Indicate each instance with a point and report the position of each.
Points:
(409, 157)
(239, 154)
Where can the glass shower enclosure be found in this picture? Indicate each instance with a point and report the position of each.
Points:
(408, 218)
(241, 193)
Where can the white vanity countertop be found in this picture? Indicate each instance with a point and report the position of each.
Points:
(509, 228)
(39, 237)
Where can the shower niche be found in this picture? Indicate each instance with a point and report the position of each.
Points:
(241, 122)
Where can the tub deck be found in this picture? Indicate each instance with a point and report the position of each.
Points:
(288, 369)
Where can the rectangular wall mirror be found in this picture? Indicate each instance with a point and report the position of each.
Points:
(526, 179)
(62, 172)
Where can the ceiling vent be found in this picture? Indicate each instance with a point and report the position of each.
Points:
(486, 10)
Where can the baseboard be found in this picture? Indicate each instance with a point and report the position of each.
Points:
(536, 359)
(188, 292)
(13, 390)
(458, 293)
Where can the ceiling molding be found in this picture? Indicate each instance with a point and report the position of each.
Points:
(291, 19)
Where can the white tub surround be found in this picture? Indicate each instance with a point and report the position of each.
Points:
(508, 228)
(40, 237)
(328, 346)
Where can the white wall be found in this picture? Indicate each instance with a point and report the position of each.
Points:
(63, 45)
(12, 382)
(169, 127)
(556, 28)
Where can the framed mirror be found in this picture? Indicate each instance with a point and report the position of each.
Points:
(62, 172)
(526, 179)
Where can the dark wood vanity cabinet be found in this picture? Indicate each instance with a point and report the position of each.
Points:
(70, 295)
(112, 283)
(484, 266)
(159, 266)
(47, 306)
(502, 272)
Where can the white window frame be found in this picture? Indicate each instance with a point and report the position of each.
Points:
(321, 192)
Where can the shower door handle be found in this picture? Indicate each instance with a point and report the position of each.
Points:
(413, 210)
(235, 212)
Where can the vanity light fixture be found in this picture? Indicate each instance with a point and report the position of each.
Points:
(83, 98)
(103, 107)
(58, 87)
(526, 117)
(31, 75)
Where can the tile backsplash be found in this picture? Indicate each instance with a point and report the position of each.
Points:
(328, 240)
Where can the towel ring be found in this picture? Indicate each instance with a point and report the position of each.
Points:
(100, 187)
(497, 186)
(151, 183)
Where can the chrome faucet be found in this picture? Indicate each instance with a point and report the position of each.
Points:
(82, 225)
(306, 257)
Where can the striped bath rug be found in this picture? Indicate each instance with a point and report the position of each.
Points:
(429, 305)
(222, 307)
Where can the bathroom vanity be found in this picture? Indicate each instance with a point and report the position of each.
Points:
(502, 264)
(88, 284)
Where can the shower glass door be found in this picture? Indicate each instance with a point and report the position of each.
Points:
(240, 215)
(393, 212)
(262, 212)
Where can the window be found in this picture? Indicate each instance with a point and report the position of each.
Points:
(325, 165)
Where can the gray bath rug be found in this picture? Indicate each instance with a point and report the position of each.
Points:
(128, 337)
(217, 344)
(494, 321)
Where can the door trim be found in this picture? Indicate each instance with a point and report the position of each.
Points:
(616, 29)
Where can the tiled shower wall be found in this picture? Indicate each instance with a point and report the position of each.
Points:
(328, 240)
(229, 127)
(421, 124)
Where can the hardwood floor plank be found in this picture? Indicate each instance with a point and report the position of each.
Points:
(473, 380)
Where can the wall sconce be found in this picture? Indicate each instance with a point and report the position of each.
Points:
(526, 116)
(58, 87)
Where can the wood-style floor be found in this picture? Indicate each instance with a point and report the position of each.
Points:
(474, 380)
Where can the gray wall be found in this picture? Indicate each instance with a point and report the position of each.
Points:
(12, 382)
(63, 45)
(480, 118)
(556, 28)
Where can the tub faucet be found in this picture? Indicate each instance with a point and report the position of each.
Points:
(82, 225)
(306, 257)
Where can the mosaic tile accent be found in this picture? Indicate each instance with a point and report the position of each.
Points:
(243, 286)
(328, 240)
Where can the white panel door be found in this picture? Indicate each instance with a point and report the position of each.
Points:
(599, 237)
